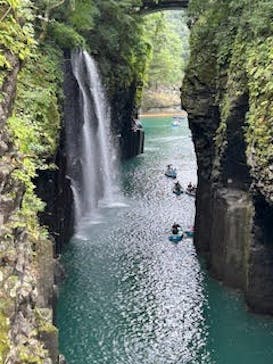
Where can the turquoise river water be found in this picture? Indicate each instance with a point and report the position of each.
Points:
(131, 296)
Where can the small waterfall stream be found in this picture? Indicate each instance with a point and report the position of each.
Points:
(93, 183)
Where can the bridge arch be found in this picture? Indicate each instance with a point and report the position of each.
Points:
(150, 6)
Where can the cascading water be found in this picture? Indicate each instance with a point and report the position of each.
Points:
(94, 179)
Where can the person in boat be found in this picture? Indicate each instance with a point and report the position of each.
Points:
(170, 169)
(175, 228)
(191, 188)
(177, 187)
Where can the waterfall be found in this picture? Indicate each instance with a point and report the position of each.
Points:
(93, 179)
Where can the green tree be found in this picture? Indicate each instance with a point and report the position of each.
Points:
(168, 42)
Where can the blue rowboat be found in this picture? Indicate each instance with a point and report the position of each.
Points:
(171, 174)
(177, 192)
(175, 238)
(189, 233)
(191, 193)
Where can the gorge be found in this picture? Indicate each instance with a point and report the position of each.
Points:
(227, 92)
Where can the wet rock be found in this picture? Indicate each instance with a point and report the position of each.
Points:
(45, 277)
(62, 359)
(48, 361)
(49, 336)
(19, 272)
(3, 149)
(59, 272)
(232, 215)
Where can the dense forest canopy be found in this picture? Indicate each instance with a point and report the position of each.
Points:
(168, 34)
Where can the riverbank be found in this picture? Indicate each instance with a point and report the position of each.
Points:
(181, 113)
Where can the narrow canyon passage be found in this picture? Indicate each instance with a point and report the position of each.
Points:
(131, 296)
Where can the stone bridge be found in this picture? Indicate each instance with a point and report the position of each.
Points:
(150, 6)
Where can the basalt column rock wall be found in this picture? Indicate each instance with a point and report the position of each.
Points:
(130, 135)
(231, 122)
(54, 188)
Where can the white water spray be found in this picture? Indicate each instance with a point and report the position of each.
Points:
(96, 182)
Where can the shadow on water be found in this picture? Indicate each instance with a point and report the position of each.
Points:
(131, 296)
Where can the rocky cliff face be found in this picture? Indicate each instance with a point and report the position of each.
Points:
(226, 93)
(130, 136)
(54, 187)
(26, 261)
(29, 124)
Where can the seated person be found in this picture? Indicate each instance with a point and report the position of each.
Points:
(177, 186)
(175, 228)
(190, 187)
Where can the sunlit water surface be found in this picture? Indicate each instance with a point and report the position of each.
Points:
(131, 296)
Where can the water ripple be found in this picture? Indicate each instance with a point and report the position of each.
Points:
(132, 296)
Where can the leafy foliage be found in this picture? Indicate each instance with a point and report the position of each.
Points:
(65, 36)
(16, 37)
(236, 39)
(168, 35)
(35, 124)
(4, 341)
(125, 50)
(111, 30)
(35, 121)
(33, 132)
